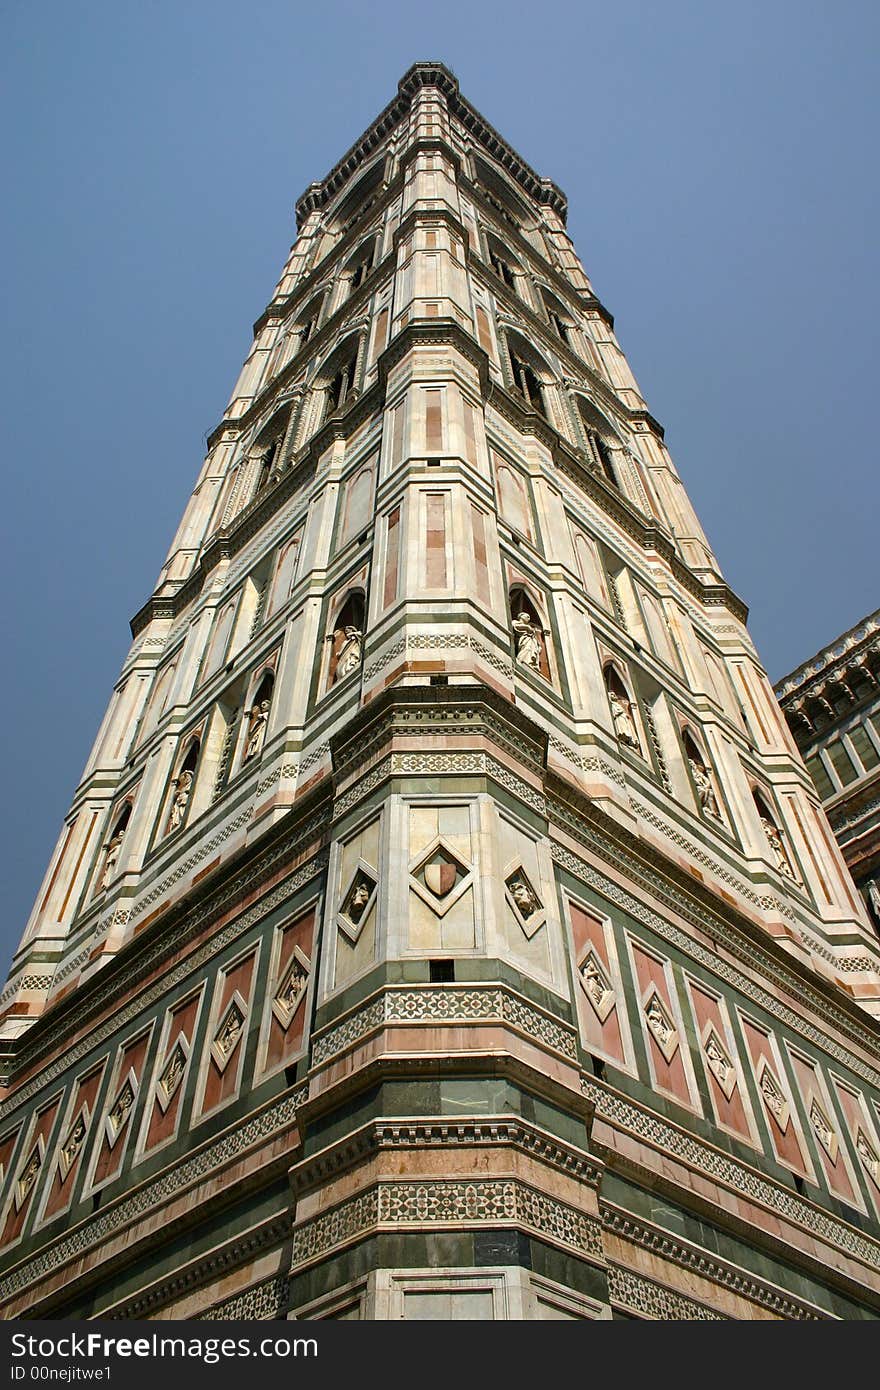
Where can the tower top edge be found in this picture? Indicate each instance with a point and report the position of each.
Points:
(430, 74)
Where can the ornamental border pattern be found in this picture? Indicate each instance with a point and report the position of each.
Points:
(168, 1184)
(436, 1202)
(585, 872)
(688, 1256)
(423, 1003)
(654, 1301)
(262, 1303)
(671, 1140)
(196, 1276)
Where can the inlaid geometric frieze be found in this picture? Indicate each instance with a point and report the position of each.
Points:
(660, 1025)
(594, 981)
(719, 1061)
(229, 1032)
(773, 1094)
(440, 876)
(357, 900)
(523, 900)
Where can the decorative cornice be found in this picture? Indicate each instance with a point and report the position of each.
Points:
(543, 191)
(864, 635)
(695, 1258)
(667, 1138)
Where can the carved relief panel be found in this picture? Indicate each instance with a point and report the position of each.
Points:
(599, 989)
(780, 1115)
(717, 1055)
(114, 1129)
(863, 1133)
(30, 1172)
(284, 1030)
(441, 905)
(352, 905)
(73, 1136)
(668, 1054)
(828, 1139)
(164, 1102)
(225, 1045)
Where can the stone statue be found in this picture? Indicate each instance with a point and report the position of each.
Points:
(718, 1062)
(183, 787)
(874, 899)
(595, 985)
(529, 639)
(349, 642)
(523, 897)
(705, 791)
(259, 719)
(774, 839)
(657, 1023)
(772, 1095)
(113, 847)
(622, 718)
(294, 987)
(359, 899)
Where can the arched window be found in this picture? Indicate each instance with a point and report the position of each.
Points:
(703, 779)
(258, 717)
(623, 715)
(529, 633)
(360, 265)
(113, 847)
(774, 835)
(340, 387)
(338, 375)
(526, 382)
(557, 316)
(182, 786)
(347, 635)
(595, 433)
(361, 196)
(307, 324)
(501, 266)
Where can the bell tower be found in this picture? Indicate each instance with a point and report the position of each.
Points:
(445, 925)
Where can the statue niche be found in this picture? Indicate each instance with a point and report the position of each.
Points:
(347, 636)
(622, 711)
(702, 778)
(774, 838)
(113, 847)
(182, 786)
(529, 635)
(258, 718)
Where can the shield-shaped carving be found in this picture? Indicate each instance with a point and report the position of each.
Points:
(440, 878)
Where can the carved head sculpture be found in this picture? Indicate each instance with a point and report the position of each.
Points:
(523, 897)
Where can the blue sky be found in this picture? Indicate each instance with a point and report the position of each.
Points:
(721, 171)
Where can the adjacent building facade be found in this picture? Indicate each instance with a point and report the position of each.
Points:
(832, 704)
(445, 925)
